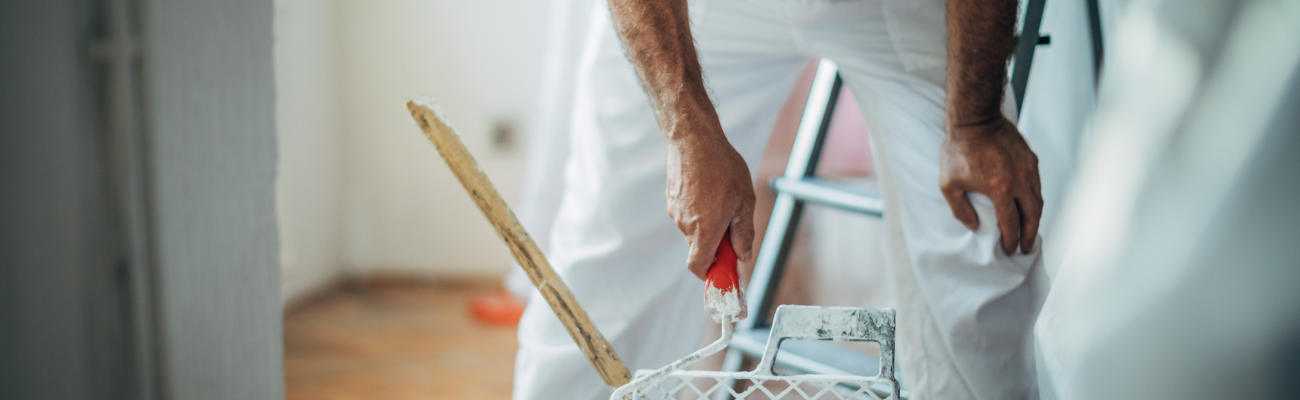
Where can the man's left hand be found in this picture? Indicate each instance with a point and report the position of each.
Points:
(992, 158)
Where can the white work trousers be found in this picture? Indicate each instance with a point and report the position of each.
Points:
(965, 309)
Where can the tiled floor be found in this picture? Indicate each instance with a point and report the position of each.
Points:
(396, 342)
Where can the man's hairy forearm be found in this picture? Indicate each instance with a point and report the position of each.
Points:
(979, 40)
(657, 36)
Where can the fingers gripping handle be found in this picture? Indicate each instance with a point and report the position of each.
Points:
(723, 295)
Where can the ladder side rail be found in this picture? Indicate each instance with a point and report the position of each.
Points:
(786, 211)
(804, 155)
(1024, 56)
(1098, 43)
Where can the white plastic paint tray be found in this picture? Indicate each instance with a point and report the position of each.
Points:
(790, 323)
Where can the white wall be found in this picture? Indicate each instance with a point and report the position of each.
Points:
(345, 70)
(309, 127)
(480, 60)
(209, 93)
(184, 305)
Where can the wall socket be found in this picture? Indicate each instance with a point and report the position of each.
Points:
(504, 133)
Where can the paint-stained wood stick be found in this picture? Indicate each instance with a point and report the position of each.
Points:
(526, 252)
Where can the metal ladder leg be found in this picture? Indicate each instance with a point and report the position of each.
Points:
(787, 209)
(794, 188)
(1025, 46)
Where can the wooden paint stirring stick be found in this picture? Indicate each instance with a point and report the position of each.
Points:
(526, 252)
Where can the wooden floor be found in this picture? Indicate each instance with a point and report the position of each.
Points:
(396, 341)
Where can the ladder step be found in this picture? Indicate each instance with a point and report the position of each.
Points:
(862, 199)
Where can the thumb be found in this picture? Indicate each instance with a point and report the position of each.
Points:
(961, 207)
(704, 245)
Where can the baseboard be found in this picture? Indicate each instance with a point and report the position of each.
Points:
(391, 278)
(315, 293)
(384, 277)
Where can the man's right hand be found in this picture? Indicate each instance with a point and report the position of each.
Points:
(709, 190)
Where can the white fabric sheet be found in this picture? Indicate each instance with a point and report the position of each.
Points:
(548, 141)
(1180, 278)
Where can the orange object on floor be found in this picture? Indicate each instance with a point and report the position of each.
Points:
(498, 308)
